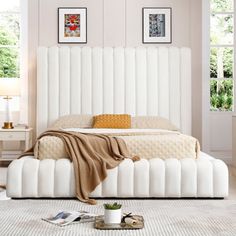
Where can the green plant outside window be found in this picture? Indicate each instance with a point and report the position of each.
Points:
(222, 55)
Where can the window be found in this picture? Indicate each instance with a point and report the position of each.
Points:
(9, 38)
(222, 55)
(10, 43)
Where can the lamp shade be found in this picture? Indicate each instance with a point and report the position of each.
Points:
(9, 87)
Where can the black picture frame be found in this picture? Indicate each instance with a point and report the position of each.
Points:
(84, 41)
(156, 40)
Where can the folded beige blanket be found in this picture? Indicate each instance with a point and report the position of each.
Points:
(92, 155)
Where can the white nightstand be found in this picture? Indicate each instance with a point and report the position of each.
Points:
(22, 135)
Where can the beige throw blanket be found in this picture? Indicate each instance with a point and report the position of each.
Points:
(92, 155)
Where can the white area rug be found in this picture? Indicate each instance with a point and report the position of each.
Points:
(162, 217)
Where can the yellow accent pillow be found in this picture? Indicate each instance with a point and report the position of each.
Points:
(120, 121)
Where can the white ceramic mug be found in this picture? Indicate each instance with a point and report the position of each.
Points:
(112, 216)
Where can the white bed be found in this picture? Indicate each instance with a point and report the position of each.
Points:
(137, 81)
(205, 177)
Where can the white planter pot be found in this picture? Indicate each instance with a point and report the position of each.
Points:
(112, 216)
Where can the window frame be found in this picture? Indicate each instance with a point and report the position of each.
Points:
(22, 101)
(209, 46)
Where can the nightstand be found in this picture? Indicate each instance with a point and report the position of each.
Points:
(24, 136)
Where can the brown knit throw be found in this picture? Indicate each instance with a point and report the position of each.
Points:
(92, 155)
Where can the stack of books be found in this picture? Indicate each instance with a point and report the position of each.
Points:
(21, 126)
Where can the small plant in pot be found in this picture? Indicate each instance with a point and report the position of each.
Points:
(112, 214)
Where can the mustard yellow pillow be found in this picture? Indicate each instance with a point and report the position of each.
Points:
(120, 121)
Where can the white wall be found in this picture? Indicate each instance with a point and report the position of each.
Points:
(114, 22)
(118, 23)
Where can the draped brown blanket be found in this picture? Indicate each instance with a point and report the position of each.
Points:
(92, 155)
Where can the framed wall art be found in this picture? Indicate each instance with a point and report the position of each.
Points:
(72, 25)
(157, 25)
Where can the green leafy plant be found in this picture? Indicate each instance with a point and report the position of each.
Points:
(113, 206)
(221, 92)
(221, 5)
(9, 38)
(221, 58)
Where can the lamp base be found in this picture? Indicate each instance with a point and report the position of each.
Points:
(8, 125)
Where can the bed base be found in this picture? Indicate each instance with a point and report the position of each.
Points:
(154, 178)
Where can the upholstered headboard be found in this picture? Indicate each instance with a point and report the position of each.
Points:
(139, 81)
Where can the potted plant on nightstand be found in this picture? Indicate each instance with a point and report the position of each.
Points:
(112, 213)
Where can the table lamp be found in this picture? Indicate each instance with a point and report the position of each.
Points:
(9, 87)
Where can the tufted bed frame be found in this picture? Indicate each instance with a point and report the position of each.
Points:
(140, 81)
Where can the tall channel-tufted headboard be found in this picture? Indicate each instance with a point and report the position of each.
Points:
(153, 81)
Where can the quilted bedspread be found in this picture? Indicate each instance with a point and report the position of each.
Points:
(145, 143)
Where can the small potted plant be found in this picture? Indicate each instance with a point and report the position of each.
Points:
(112, 214)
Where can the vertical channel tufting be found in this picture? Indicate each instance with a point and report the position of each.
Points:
(130, 84)
(14, 178)
(72, 180)
(141, 178)
(204, 178)
(75, 80)
(97, 81)
(62, 181)
(138, 81)
(110, 184)
(174, 65)
(157, 177)
(64, 85)
(42, 90)
(185, 67)
(108, 80)
(30, 178)
(86, 83)
(119, 81)
(188, 178)
(152, 82)
(141, 81)
(125, 178)
(53, 85)
(173, 178)
(164, 103)
(46, 173)
(220, 177)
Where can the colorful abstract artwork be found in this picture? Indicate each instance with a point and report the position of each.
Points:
(72, 25)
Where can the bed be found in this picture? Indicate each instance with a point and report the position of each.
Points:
(144, 82)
